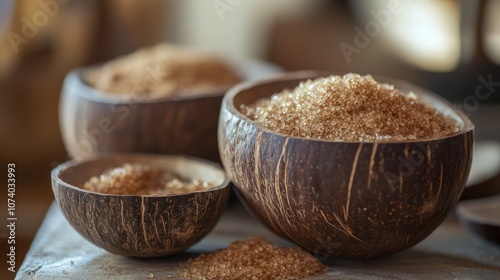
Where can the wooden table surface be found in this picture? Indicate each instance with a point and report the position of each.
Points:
(59, 252)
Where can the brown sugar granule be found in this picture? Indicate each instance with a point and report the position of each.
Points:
(253, 258)
(162, 71)
(141, 179)
(349, 108)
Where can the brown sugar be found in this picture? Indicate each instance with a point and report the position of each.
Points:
(141, 179)
(349, 108)
(162, 71)
(253, 258)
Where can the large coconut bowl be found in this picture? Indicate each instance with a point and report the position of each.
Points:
(141, 225)
(347, 199)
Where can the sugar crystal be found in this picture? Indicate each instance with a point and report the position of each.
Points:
(349, 108)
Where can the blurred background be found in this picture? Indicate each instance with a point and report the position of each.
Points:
(449, 46)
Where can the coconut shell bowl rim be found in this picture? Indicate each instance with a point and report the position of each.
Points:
(142, 158)
(75, 82)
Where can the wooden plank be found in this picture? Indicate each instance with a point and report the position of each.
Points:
(59, 252)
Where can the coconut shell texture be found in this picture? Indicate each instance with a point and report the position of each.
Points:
(348, 199)
(139, 226)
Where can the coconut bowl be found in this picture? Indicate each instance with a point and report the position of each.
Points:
(140, 225)
(346, 199)
(94, 122)
(481, 216)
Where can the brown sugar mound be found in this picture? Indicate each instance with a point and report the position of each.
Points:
(140, 179)
(162, 71)
(349, 108)
(254, 258)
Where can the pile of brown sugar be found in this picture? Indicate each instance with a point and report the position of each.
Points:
(162, 71)
(141, 179)
(254, 258)
(349, 108)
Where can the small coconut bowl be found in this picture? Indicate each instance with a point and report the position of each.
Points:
(94, 122)
(136, 225)
(481, 216)
(346, 199)
(484, 176)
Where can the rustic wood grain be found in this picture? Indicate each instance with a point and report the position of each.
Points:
(450, 252)
(346, 199)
